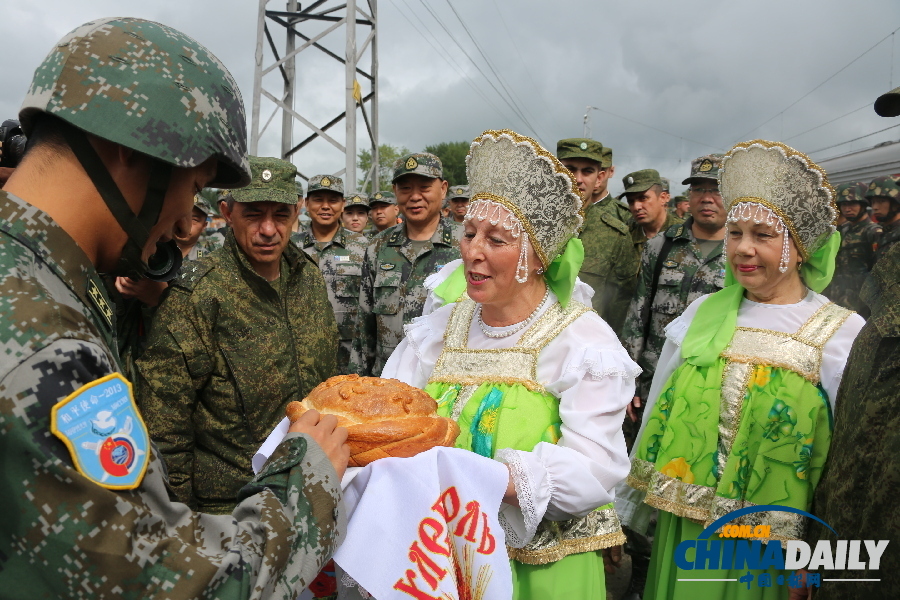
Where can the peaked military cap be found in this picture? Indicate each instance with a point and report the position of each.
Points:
(273, 181)
(329, 183)
(418, 163)
(705, 167)
(584, 148)
(640, 181)
(385, 197)
(458, 191)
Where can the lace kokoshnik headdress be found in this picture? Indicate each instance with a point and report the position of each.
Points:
(513, 172)
(769, 182)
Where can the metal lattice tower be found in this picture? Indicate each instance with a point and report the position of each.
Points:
(305, 30)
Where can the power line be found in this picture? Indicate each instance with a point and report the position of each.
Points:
(854, 139)
(680, 137)
(866, 105)
(743, 137)
(490, 65)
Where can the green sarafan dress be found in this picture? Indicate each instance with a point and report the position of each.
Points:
(498, 403)
(753, 428)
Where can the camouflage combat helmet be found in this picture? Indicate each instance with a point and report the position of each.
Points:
(886, 186)
(149, 88)
(851, 192)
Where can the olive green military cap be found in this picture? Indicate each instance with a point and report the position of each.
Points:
(888, 105)
(357, 199)
(886, 186)
(273, 181)
(419, 163)
(678, 199)
(329, 183)
(584, 148)
(640, 181)
(851, 192)
(705, 167)
(384, 197)
(459, 191)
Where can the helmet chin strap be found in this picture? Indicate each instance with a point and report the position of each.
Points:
(136, 227)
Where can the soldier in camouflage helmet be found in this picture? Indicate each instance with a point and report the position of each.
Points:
(150, 100)
(858, 488)
(610, 262)
(339, 254)
(884, 194)
(859, 243)
(356, 212)
(399, 259)
(241, 333)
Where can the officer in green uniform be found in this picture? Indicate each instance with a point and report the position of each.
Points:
(241, 333)
(859, 243)
(884, 194)
(399, 259)
(858, 491)
(85, 500)
(610, 262)
(383, 212)
(339, 254)
(356, 212)
(647, 201)
(680, 205)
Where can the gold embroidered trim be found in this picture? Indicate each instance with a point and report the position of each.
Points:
(467, 381)
(565, 548)
(735, 379)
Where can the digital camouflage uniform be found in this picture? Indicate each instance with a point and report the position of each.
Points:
(392, 292)
(340, 262)
(227, 352)
(858, 493)
(610, 262)
(859, 243)
(887, 186)
(206, 243)
(65, 535)
(685, 276)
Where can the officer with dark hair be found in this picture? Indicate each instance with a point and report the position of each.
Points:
(127, 120)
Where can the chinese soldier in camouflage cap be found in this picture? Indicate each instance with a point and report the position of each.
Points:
(189, 241)
(339, 253)
(884, 194)
(459, 201)
(383, 211)
(860, 238)
(328, 183)
(610, 263)
(398, 260)
(120, 107)
(356, 212)
(251, 322)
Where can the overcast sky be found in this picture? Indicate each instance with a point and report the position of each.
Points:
(673, 80)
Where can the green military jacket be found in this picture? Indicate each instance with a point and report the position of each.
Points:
(393, 291)
(859, 492)
(340, 262)
(227, 352)
(859, 244)
(611, 264)
(685, 276)
(890, 236)
(65, 536)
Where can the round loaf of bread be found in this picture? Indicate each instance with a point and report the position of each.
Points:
(383, 417)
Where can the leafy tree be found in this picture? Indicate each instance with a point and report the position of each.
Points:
(387, 154)
(453, 157)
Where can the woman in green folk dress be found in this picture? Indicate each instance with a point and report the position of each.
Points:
(533, 376)
(747, 378)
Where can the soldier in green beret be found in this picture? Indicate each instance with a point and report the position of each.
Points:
(356, 212)
(398, 260)
(242, 332)
(126, 119)
(884, 194)
(860, 238)
(610, 263)
(339, 254)
(383, 211)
